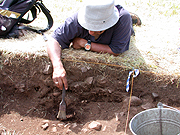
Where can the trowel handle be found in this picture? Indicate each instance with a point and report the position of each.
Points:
(63, 93)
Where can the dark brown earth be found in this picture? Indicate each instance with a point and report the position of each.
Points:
(29, 99)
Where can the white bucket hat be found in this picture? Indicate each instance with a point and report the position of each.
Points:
(98, 15)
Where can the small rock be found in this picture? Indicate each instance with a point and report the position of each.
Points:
(48, 69)
(89, 80)
(68, 131)
(84, 69)
(84, 101)
(20, 87)
(45, 126)
(135, 101)
(21, 119)
(104, 129)
(22, 90)
(119, 115)
(74, 125)
(110, 91)
(95, 125)
(61, 125)
(67, 125)
(85, 130)
(155, 95)
(76, 85)
(56, 94)
(54, 129)
(147, 106)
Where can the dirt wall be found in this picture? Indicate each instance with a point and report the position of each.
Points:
(27, 82)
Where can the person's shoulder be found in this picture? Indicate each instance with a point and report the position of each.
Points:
(122, 11)
(73, 17)
(124, 17)
(73, 20)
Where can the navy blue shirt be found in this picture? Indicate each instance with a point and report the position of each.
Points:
(117, 37)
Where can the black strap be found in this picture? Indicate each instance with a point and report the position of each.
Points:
(48, 16)
(34, 15)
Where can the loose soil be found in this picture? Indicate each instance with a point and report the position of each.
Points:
(96, 92)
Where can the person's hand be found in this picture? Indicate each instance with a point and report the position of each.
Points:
(78, 43)
(59, 78)
(59, 73)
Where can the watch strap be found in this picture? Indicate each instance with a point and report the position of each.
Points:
(89, 41)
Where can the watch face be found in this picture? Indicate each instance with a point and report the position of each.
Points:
(88, 47)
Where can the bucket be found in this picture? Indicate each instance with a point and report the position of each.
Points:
(156, 121)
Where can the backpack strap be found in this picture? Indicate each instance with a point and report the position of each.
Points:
(48, 16)
(34, 16)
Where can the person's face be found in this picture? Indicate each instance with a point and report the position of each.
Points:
(95, 33)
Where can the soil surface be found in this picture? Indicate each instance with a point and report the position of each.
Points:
(30, 101)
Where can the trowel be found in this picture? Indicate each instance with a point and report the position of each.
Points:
(62, 107)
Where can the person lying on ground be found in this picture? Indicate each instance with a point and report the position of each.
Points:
(100, 27)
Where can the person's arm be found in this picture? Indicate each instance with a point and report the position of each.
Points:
(95, 47)
(59, 73)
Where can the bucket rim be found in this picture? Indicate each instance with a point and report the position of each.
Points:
(130, 123)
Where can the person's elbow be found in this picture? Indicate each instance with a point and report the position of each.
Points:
(112, 53)
(116, 54)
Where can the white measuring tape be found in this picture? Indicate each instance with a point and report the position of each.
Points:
(136, 73)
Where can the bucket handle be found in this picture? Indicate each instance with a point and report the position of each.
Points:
(161, 105)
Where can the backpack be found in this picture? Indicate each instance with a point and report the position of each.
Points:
(12, 14)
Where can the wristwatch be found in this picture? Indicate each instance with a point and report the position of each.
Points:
(87, 46)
